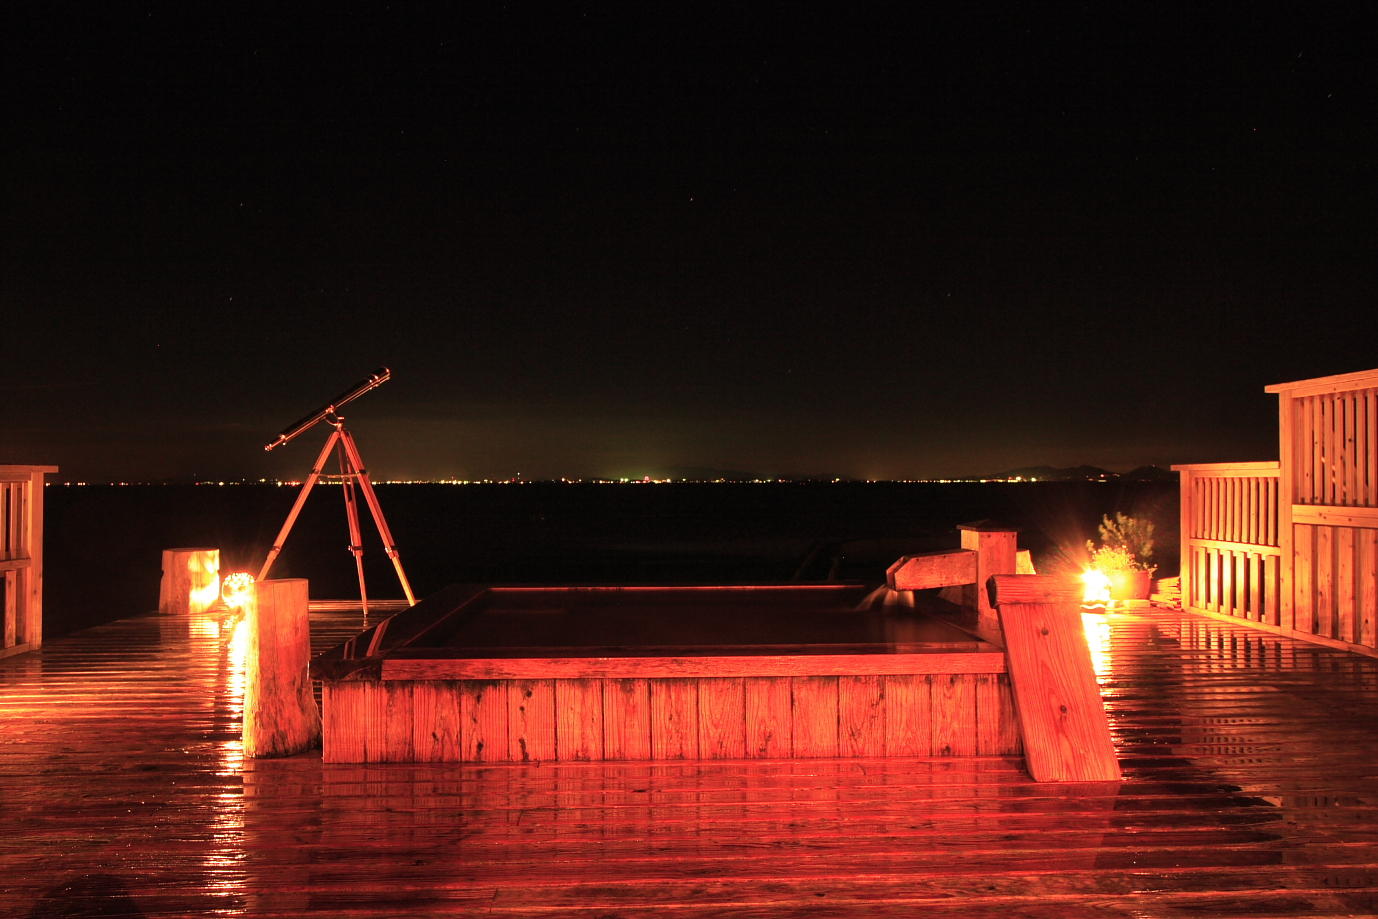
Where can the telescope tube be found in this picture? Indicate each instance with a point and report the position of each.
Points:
(372, 381)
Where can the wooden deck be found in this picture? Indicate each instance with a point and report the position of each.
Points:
(1251, 790)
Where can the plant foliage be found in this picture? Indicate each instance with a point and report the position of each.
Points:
(1126, 543)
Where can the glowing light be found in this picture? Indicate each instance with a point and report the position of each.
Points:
(1097, 592)
(204, 571)
(238, 589)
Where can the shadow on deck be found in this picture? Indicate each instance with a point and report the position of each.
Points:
(1251, 789)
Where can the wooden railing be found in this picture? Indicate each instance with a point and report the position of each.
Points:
(1334, 448)
(1328, 432)
(1293, 545)
(21, 558)
(1231, 542)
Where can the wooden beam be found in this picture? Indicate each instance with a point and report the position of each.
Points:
(1322, 515)
(697, 667)
(932, 569)
(1340, 382)
(1065, 730)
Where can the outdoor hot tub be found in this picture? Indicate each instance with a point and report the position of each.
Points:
(530, 674)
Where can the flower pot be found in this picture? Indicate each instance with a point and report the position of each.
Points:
(1134, 584)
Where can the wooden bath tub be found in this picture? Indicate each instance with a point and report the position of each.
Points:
(512, 674)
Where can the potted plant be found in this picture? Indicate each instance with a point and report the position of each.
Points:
(1125, 555)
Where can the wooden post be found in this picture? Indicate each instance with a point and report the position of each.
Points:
(280, 714)
(995, 554)
(1061, 717)
(191, 581)
(21, 558)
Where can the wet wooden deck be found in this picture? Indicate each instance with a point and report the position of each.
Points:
(1252, 790)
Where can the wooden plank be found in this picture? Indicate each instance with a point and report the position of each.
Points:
(374, 715)
(9, 608)
(627, 719)
(1065, 732)
(674, 719)
(1366, 573)
(531, 723)
(699, 667)
(30, 631)
(1339, 382)
(1371, 451)
(1351, 466)
(1365, 461)
(1215, 584)
(861, 706)
(1345, 584)
(1323, 574)
(1186, 531)
(1228, 604)
(1010, 742)
(1326, 461)
(768, 717)
(345, 714)
(813, 716)
(722, 718)
(483, 721)
(1289, 445)
(1304, 549)
(398, 724)
(435, 721)
(1233, 509)
(1254, 563)
(1270, 590)
(1316, 469)
(1260, 548)
(908, 715)
(933, 569)
(954, 715)
(1272, 512)
(578, 720)
(1335, 516)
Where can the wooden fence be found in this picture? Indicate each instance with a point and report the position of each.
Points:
(1230, 547)
(1293, 545)
(21, 557)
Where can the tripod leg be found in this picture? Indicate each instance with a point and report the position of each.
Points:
(296, 507)
(356, 542)
(366, 486)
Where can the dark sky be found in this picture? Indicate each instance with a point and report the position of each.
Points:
(897, 243)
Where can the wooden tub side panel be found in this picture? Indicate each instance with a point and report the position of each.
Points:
(639, 719)
(768, 717)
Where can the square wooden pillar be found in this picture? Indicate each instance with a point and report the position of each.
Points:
(995, 546)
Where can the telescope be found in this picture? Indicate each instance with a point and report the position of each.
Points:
(305, 423)
(352, 476)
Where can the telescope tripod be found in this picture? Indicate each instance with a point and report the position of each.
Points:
(352, 474)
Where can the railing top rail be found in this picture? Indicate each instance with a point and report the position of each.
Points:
(1265, 467)
(1340, 382)
(13, 473)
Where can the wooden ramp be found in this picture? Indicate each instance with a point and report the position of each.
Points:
(1251, 789)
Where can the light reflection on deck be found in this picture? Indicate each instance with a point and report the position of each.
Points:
(1250, 789)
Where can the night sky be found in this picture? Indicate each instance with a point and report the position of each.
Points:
(899, 243)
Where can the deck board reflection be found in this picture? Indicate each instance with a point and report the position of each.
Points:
(1251, 789)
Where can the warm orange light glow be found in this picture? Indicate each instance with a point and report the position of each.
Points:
(1097, 630)
(1097, 593)
(204, 571)
(238, 589)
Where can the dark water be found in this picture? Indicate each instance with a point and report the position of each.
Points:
(103, 543)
